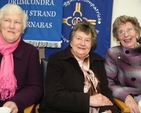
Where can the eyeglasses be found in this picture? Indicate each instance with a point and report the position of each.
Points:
(128, 30)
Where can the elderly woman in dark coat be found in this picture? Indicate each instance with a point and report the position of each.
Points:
(76, 80)
(21, 82)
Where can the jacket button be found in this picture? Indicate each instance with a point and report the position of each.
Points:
(127, 51)
(136, 95)
(133, 79)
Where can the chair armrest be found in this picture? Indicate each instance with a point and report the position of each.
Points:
(29, 109)
(123, 107)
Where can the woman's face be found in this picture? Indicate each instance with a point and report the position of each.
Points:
(81, 44)
(11, 27)
(127, 35)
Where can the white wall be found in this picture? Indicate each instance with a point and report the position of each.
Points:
(125, 7)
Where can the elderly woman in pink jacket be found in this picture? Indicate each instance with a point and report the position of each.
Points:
(123, 62)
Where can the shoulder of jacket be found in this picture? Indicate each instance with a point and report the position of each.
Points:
(115, 49)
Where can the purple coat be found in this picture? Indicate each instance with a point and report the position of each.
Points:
(27, 70)
(123, 67)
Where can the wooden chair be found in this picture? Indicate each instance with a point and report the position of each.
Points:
(123, 107)
(29, 109)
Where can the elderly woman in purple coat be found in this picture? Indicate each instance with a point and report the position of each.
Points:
(123, 62)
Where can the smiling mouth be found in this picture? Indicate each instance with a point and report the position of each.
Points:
(81, 48)
(128, 40)
(11, 32)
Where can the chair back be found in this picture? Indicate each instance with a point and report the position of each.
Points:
(44, 66)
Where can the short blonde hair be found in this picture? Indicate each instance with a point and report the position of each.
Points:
(122, 20)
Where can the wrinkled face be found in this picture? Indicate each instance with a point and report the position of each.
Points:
(127, 35)
(81, 44)
(11, 27)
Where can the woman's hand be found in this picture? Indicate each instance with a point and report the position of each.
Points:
(12, 106)
(99, 100)
(107, 111)
(130, 102)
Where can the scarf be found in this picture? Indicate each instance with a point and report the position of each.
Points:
(91, 84)
(8, 82)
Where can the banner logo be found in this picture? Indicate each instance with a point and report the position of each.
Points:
(75, 19)
(77, 15)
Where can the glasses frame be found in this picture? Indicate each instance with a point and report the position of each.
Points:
(128, 30)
